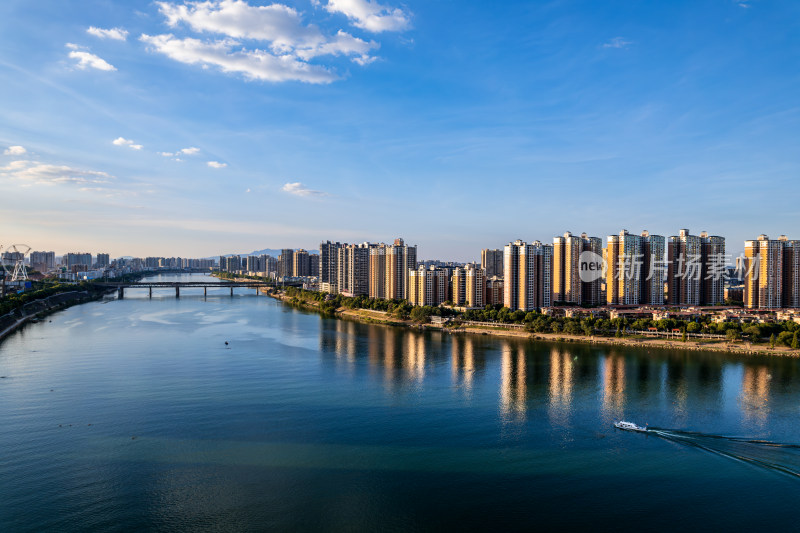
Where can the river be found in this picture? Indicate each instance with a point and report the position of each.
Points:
(242, 413)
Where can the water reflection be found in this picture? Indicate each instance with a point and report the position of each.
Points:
(754, 397)
(562, 364)
(462, 363)
(613, 398)
(513, 384)
(663, 385)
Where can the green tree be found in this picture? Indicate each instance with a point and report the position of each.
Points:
(693, 327)
(733, 335)
(420, 315)
(772, 341)
(684, 337)
(795, 341)
(785, 338)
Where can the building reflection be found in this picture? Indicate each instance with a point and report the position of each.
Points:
(462, 362)
(513, 385)
(562, 372)
(678, 387)
(414, 356)
(613, 384)
(754, 398)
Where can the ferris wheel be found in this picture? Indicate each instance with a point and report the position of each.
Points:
(14, 261)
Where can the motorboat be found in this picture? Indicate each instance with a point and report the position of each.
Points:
(629, 426)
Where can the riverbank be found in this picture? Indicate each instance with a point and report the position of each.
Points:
(381, 317)
(38, 309)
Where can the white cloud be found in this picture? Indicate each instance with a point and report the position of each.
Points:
(118, 34)
(88, 60)
(253, 64)
(281, 26)
(165, 154)
(33, 172)
(190, 151)
(121, 141)
(216, 164)
(617, 42)
(298, 189)
(370, 15)
(290, 42)
(15, 150)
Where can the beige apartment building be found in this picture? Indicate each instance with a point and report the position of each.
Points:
(772, 273)
(567, 284)
(427, 286)
(475, 286)
(623, 257)
(400, 259)
(763, 281)
(527, 275)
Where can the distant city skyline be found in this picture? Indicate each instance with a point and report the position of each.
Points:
(196, 129)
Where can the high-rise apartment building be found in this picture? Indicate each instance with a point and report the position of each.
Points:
(377, 271)
(353, 269)
(286, 263)
(400, 259)
(73, 259)
(684, 268)
(527, 275)
(459, 286)
(771, 273)
(233, 264)
(712, 278)
(494, 291)
(427, 286)
(43, 261)
(763, 286)
(623, 257)
(653, 269)
(567, 284)
(591, 290)
(492, 262)
(695, 269)
(301, 263)
(328, 258)
(103, 260)
(313, 265)
(475, 286)
(791, 272)
(252, 264)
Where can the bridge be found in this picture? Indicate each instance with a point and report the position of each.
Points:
(178, 285)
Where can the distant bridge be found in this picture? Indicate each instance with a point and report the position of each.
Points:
(178, 285)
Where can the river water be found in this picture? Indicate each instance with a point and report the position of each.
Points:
(134, 414)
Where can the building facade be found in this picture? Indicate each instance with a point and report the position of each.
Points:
(527, 275)
(492, 262)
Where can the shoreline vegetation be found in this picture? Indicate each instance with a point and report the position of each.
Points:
(45, 298)
(779, 339)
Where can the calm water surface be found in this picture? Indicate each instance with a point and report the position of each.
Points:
(134, 414)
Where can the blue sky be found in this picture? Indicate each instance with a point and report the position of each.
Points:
(192, 129)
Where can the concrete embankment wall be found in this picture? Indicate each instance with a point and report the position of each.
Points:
(18, 317)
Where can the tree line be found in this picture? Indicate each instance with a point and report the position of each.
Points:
(778, 333)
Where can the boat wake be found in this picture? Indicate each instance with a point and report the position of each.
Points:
(779, 457)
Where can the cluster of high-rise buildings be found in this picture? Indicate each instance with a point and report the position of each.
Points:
(631, 270)
(290, 263)
(772, 273)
